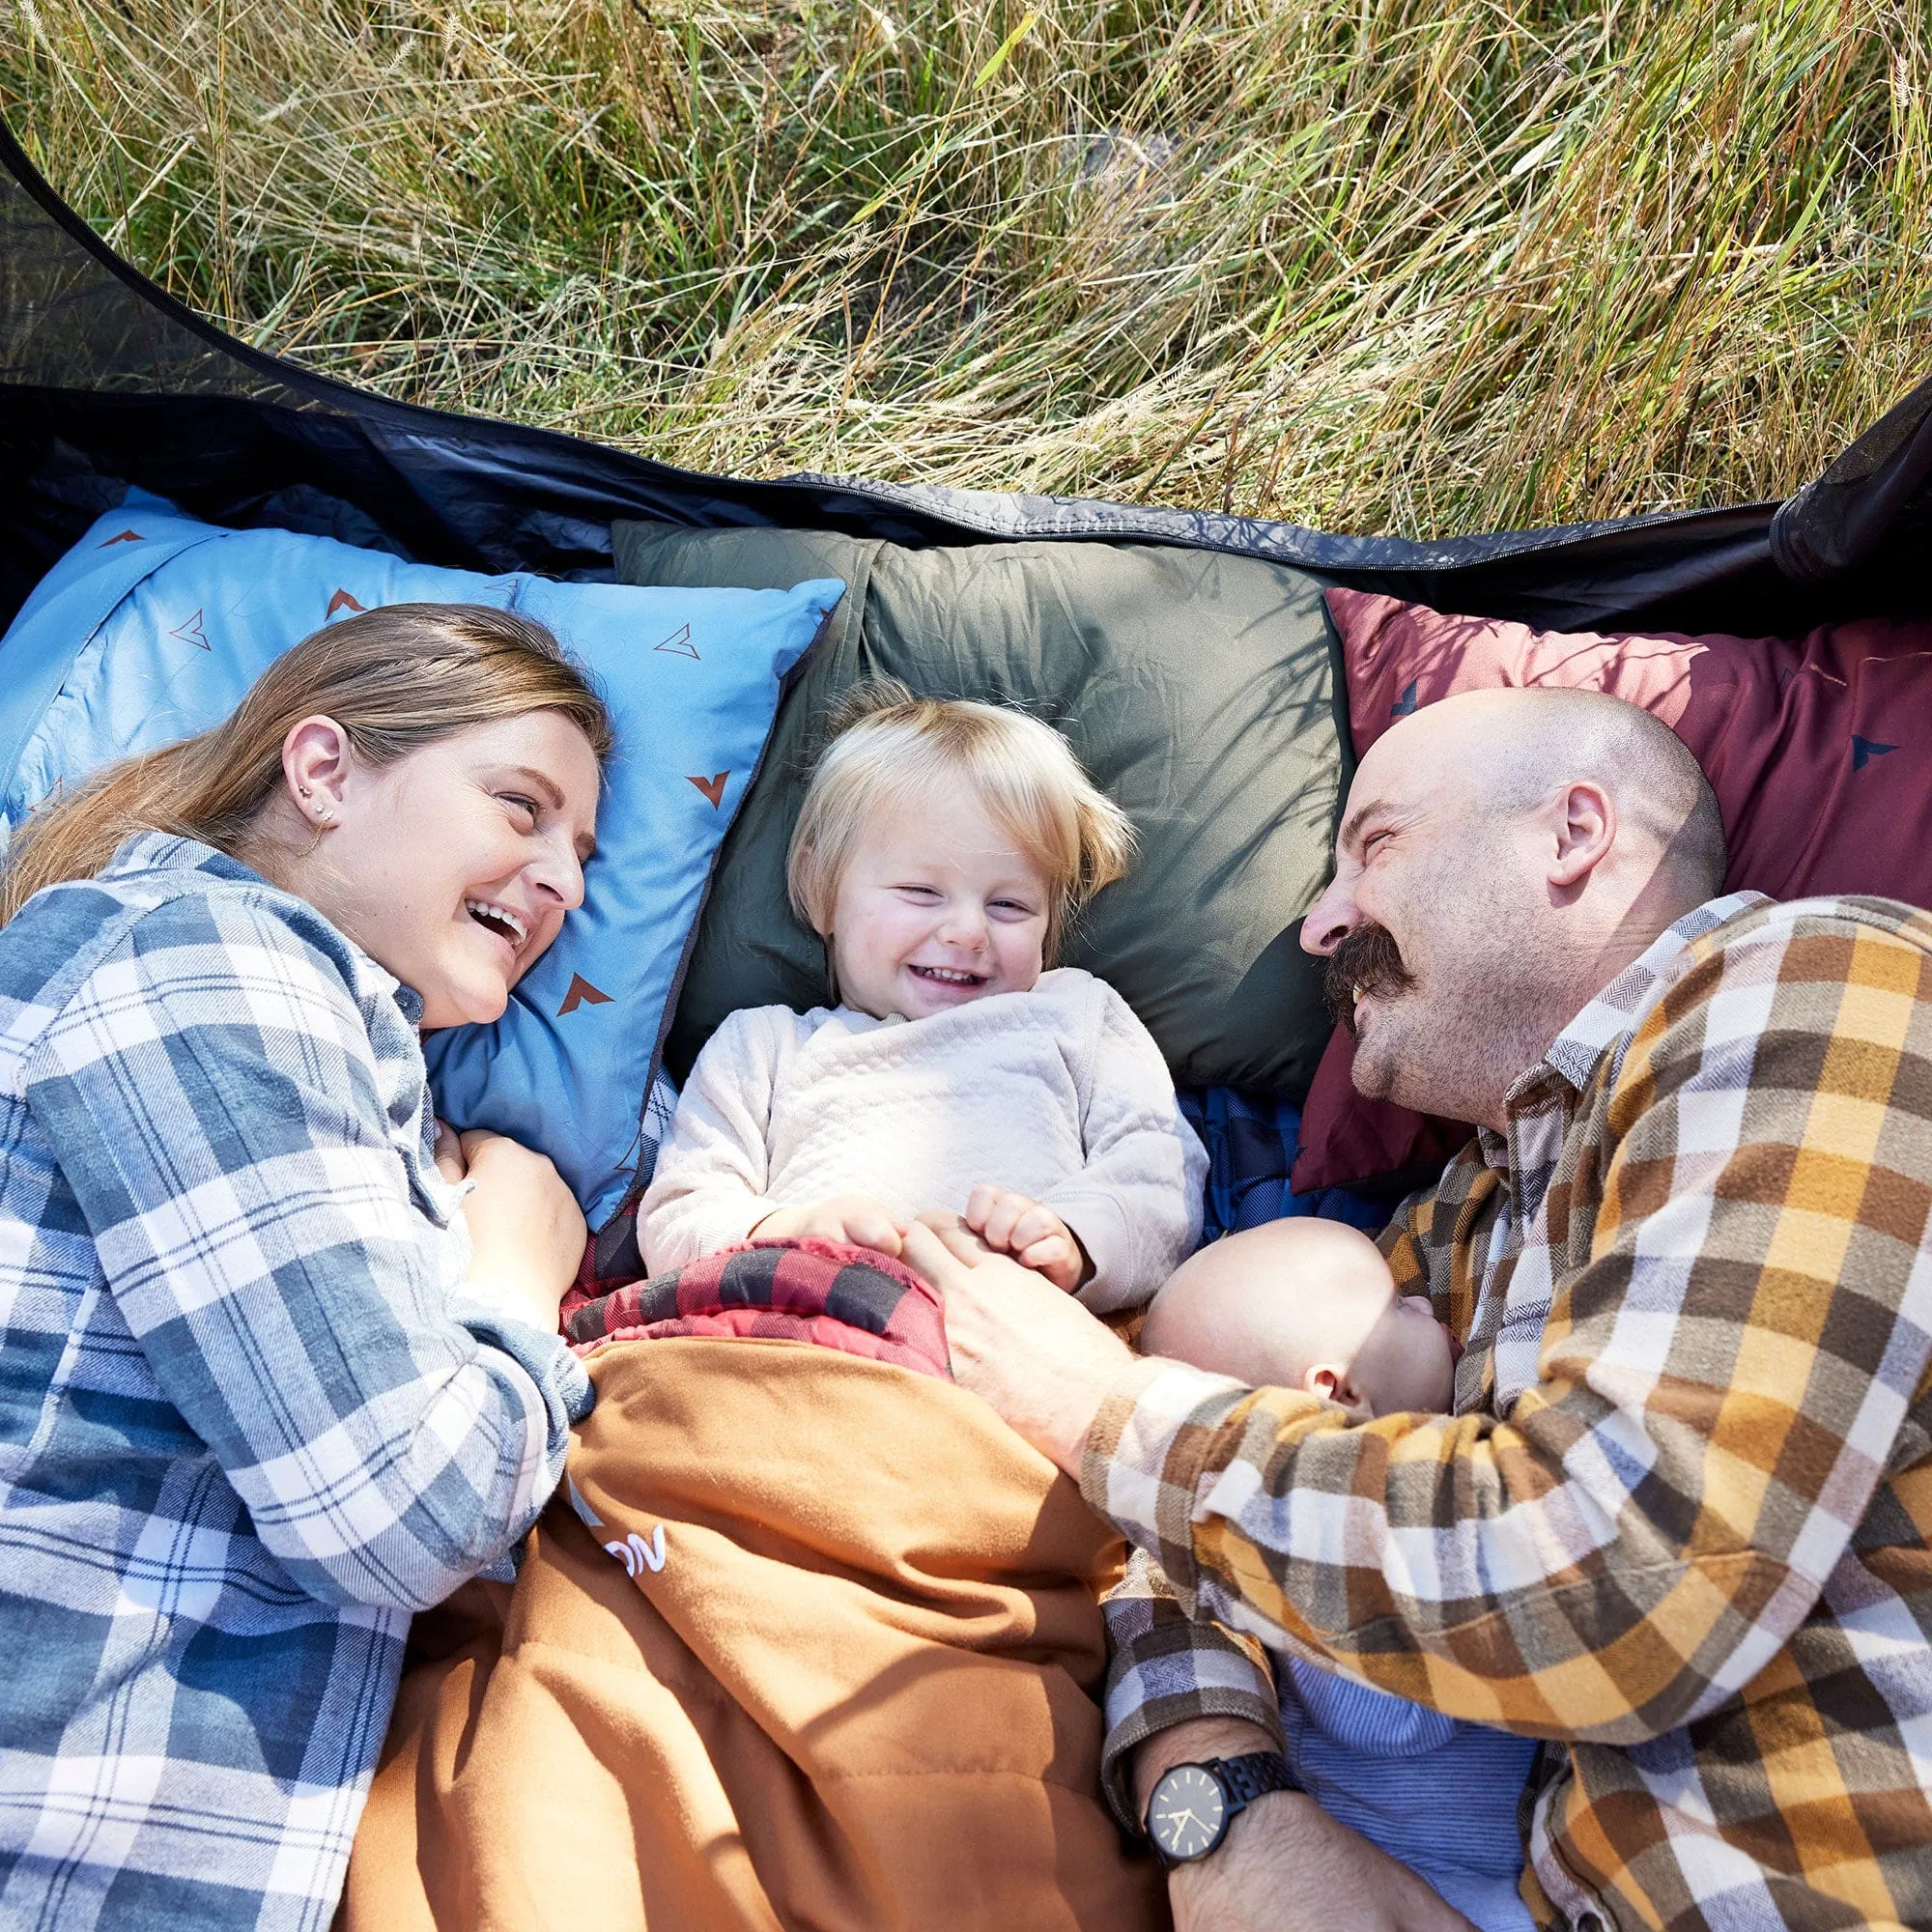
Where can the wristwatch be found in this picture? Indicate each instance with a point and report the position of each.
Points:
(1193, 1804)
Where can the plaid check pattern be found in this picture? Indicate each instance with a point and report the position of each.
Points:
(246, 1423)
(825, 1292)
(1680, 1520)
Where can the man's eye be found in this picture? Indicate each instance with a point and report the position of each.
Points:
(527, 805)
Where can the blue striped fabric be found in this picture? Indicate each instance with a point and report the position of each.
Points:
(1434, 1792)
(247, 1422)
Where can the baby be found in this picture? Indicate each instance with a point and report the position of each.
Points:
(940, 850)
(1435, 1792)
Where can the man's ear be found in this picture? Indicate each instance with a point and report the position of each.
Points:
(1586, 828)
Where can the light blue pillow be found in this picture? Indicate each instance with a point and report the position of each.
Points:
(154, 625)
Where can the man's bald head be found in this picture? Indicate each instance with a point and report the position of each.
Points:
(1503, 856)
(1516, 746)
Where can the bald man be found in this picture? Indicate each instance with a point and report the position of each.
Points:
(1678, 1524)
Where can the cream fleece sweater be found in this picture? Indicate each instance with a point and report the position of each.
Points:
(1058, 1093)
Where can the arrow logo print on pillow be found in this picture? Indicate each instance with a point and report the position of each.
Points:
(678, 644)
(126, 536)
(581, 993)
(1865, 749)
(711, 787)
(191, 633)
(341, 601)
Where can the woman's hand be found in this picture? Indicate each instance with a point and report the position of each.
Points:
(1036, 1237)
(527, 1233)
(449, 1160)
(855, 1219)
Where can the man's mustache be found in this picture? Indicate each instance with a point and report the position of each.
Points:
(1368, 958)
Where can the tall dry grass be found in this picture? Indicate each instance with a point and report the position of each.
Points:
(1366, 264)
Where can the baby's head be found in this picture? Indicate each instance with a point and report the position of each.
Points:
(941, 846)
(1306, 1304)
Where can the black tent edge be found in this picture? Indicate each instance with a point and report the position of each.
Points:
(243, 437)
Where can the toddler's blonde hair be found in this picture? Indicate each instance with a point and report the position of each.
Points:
(890, 748)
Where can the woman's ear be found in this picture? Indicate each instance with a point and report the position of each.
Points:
(316, 761)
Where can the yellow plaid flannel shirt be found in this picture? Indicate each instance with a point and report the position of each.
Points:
(1679, 1522)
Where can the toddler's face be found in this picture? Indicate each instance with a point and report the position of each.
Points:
(937, 907)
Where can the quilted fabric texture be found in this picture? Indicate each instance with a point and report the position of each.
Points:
(154, 624)
(1814, 746)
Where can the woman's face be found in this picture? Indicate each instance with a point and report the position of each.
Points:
(454, 866)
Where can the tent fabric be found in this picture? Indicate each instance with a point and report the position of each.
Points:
(106, 381)
(1202, 694)
(110, 381)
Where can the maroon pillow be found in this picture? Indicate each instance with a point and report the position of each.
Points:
(1814, 746)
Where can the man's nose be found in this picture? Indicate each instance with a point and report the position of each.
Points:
(1330, 918)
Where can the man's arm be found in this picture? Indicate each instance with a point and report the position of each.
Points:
(1284, 1865)
(1641, 1535)
(1167, 1674)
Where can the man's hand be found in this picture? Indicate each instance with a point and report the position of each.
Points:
(1284, 1865)
(1036, 1237)
(853, 1219)
(527, 1233)
(1287, 1867)
(1020, 1344)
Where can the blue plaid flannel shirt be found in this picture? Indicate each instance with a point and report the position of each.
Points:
(248, 1421)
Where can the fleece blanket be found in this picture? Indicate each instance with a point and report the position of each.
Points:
(812, 1641)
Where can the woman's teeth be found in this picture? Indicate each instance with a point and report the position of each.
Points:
(496, 919)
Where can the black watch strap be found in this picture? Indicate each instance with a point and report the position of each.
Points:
(1251, 1777)
(1239, 1780)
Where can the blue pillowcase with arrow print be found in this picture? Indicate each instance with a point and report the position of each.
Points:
(153, 626)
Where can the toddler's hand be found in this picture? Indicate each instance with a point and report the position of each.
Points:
(853, 1219)
(1036, 1237)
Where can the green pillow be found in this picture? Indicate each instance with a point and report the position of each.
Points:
(1203, 692)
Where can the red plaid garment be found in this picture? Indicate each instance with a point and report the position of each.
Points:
(826, 1293)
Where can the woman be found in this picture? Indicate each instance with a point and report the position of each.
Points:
(261, 1393)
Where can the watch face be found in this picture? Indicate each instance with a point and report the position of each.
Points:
(1187, 1813)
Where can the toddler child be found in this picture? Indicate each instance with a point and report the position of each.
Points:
(1311, 1305)
(940, 849)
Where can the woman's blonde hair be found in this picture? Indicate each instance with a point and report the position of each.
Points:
(396, 679)
(890, 750)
